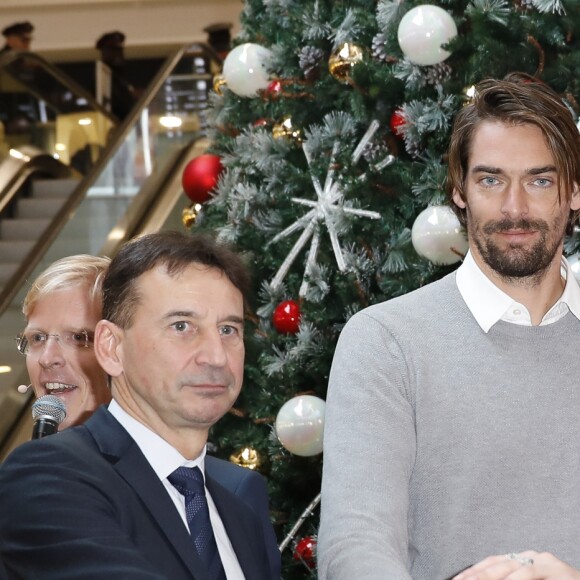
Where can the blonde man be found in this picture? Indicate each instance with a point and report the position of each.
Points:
(62, 309)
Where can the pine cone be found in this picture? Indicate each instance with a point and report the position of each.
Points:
(375, 152)
(379, 47)
(310, 58)
(438, 73)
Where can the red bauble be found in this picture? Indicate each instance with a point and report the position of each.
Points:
(286, 317)
(274, 89)
(397, 122)
(305, 551)
(200, 177)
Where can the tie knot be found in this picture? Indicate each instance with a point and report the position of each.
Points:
(187, 480)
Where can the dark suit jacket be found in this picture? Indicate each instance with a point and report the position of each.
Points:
(251, 487)
(86, 504)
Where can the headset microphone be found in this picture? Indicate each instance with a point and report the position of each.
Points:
(24, 388)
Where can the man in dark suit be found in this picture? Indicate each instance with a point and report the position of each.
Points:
(130, 494)
(123, 95)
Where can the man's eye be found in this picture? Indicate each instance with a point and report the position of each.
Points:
(229, 331)
(78, 337)
(543, 182)
(36, 338)
(181, 326)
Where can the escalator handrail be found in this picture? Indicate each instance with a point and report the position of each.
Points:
(9, 292)
(23, 162)
(11, 57)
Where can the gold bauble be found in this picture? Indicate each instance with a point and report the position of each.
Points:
(343, 59)
(469, 94)
(247, 457)
(218, 82)
(189, 215)
(286, 129)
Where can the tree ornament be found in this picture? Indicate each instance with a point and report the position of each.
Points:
(189, 214)
(219, 83)
(247, 457)
(328, 206)
(200, 177)
(309, 61)
(300, 425)
(286, 317)
(285, 129)
(397, 122)
(274, 89)
(246, 69)
(305, 551)
(469, 93)
(343, 59)
(438, 73)
(261, 122)
(379, 47)
(438, 236)
(422, 31)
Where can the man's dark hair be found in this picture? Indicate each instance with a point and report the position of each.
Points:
(519, 99)
(173, 250)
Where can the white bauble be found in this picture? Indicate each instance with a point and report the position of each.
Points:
(246, 69)
(422, 31)
(438, 236)
(574, 262)
(300, 425)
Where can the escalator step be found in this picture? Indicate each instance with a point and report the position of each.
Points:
(38, 208)
(22, 229)
(53, 187)
(7, 270)
(15, 250)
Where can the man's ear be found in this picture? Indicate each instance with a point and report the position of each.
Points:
(108, 347)
(458, 200)
(575, 198)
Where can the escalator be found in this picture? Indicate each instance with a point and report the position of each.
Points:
(132, 187)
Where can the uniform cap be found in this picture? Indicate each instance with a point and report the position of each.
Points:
(111, 40)
(18, 29)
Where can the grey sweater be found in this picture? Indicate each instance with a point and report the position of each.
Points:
(444, 445)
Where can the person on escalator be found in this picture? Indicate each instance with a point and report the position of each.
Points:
(123, 94)
(18, 37)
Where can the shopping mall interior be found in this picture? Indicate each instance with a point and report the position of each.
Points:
(78, 175)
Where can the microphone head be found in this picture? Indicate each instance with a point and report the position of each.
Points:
(51, 406)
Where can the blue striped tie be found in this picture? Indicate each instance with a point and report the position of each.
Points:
(189, 482)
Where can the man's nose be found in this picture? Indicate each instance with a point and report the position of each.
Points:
(51, 353)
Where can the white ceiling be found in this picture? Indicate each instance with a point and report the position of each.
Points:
(69, 28)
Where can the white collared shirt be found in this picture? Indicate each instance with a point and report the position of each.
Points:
(489, 304)
(165, 459)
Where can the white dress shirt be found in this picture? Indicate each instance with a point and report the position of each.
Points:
(489, 304)
(165, 459)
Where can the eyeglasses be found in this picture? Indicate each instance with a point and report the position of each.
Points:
(34, 342)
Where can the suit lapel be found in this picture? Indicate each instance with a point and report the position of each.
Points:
(128, 460)
(240, 523)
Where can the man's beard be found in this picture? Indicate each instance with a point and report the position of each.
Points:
(516, 261)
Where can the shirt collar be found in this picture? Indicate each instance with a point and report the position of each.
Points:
(488, 303)
(163, 458)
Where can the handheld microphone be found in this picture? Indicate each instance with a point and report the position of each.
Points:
(48, 413)
(24, 388)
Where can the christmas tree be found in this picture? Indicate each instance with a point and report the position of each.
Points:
(331, 121)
